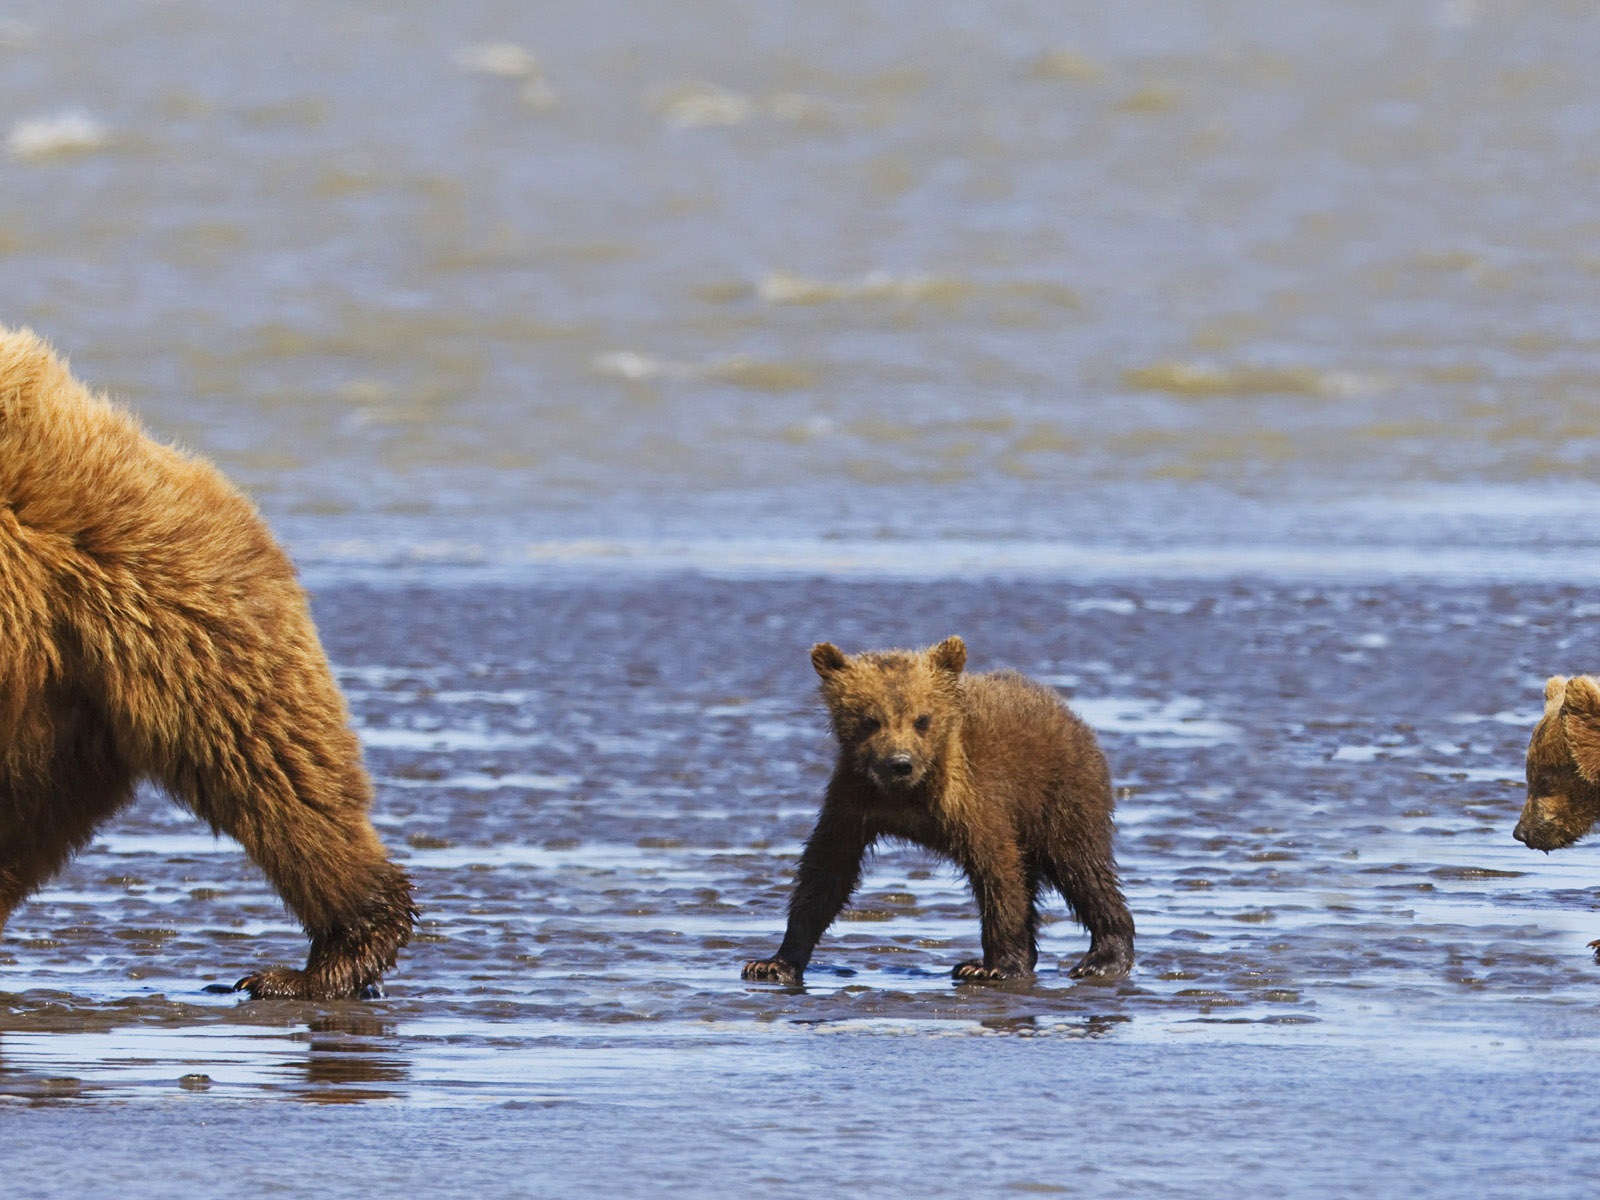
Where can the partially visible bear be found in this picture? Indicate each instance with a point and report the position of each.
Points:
(991, 771)
(150, 628)
(1563, 768)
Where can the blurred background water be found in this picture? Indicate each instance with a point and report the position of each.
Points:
(1231, 365)
(469, 279)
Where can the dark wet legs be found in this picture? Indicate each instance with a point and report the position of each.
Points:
(355, 906)
(1095, 898)
(348, 957)
(830, 868)
(43, 825)
(309, 833)
(1010, 928)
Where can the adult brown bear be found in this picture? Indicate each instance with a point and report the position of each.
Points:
(150, 628)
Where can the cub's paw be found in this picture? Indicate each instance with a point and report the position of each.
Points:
(278, 983)
(1106, 961)
(973, 971)
(772, 970)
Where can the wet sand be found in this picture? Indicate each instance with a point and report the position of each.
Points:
(1350, 977)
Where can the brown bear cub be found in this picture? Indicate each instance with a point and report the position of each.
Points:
(991, 771)
(151, 629)
(1563, 768)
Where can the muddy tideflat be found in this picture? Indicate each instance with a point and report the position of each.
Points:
(601, 788)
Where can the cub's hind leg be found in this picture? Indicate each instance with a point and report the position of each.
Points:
(1008, 916)
(1089, 885)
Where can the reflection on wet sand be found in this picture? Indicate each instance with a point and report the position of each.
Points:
(350, 1059)
(334, 1058)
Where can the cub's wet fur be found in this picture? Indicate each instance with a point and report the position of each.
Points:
(1563, 769)
(1563, 766)
(992, 771)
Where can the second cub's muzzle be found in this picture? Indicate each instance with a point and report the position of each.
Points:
(1540, 827)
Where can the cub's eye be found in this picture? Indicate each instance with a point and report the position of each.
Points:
(870, 725)
(923, 723)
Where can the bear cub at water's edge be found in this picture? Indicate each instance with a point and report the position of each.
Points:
(151, 629)
(992, 771)
(1563, 768)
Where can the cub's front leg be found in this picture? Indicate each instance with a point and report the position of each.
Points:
(830, 868)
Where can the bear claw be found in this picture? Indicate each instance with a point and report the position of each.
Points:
(974, 971)
(771, 970)
(283, 983)
(280, 983)
(1107, 962)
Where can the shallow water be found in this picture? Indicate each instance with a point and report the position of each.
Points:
(1316, 783)
(1229, 365)
(444, 281)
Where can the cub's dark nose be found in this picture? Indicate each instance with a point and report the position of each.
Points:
(1520, 834)
(899, 765)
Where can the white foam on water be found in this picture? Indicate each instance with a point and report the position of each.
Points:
(1171, 721)
(449, 739)
(37, 138)
(478, 782)
(443, 560)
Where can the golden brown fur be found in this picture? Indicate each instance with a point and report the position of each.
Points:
(1563, 766)
(993, 772)
(150, 628)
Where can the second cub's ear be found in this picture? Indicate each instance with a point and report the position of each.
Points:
(1555, 691)
(1580, 721)
(827, 658)
(949, 655)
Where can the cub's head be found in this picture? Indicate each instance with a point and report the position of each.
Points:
(1563, 766)
(893, 711)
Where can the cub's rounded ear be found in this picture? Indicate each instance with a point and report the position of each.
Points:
(1555, 690)
(1581, 693)
(949, 655)
(827, 658)
(1580, 721)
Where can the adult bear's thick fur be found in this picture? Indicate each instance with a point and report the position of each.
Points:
(150, 628)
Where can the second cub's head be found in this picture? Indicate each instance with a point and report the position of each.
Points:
(893, 711)
(1563, 766)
